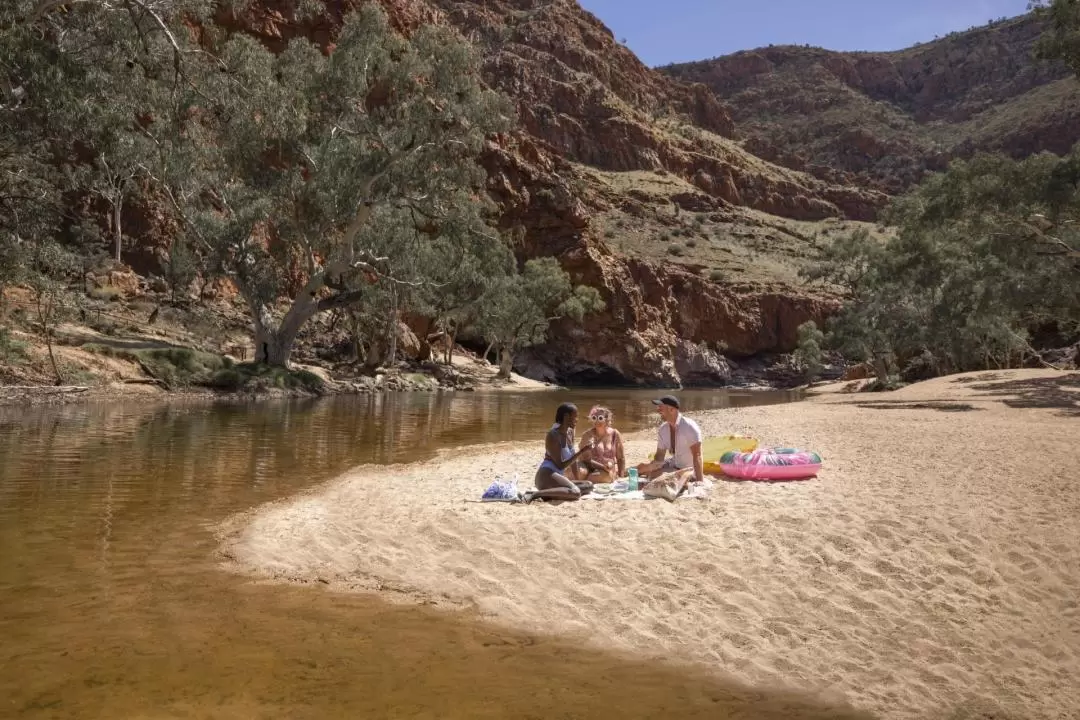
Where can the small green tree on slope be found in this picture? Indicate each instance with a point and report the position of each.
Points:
(518, 309)
(808, 354)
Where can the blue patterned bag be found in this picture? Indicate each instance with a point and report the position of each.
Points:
(501, 490)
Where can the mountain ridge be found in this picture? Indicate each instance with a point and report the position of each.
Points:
(633, 181)
(889, 118)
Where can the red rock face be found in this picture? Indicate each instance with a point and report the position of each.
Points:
(658, 318)
(584, 98)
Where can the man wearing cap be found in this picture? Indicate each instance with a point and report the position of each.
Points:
(678, 435)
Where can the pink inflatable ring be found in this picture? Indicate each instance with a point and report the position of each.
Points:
(771, 464)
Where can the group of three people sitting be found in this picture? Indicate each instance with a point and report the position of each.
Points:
(567, 474)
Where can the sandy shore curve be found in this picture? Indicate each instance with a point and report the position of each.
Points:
(932, 570)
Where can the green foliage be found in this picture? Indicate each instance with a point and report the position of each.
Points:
(676, 250)
(808, 354)
(518, 309)
(460, 272)
(254, 376)
(182, 267)
(179, 367)
(174, 366)
(12, 350)
(982, 254)
(87, 99)
(292, 150)
(295, 174)
(1061, 38)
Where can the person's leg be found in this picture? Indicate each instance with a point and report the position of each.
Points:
(597, 477)
(578, 472)
(553, 485)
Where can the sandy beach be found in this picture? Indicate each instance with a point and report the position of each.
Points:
(932, 570)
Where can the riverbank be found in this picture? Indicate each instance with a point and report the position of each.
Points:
(94, 366)
(928, 571)
(128, 340)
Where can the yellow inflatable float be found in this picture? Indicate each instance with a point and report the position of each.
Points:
(712, 449)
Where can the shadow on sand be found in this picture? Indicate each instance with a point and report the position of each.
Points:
(939, 405)
(1055, 393)
(241, 649)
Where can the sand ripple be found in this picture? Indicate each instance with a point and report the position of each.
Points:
(932, 570)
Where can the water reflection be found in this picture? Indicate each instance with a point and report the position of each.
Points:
(189, 447)
(111, 602)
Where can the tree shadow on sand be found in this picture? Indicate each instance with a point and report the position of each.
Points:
(1055, 393)
(939, 405)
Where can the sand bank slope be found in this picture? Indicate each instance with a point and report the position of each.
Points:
(933, 567)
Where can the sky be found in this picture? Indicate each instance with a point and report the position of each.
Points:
(666, 31)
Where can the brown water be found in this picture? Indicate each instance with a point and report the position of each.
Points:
(112, 604)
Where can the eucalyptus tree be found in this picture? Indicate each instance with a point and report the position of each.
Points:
(302, 175)
(315, 173)
(87, 91)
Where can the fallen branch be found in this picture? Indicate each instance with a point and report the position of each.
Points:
(45, 389)
(146, 369)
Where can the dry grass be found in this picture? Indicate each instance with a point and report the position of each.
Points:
(737, 244)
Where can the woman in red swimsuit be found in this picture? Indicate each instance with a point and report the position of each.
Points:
(607, 462)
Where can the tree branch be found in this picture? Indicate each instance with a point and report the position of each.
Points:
(48, 6)
(177, 52)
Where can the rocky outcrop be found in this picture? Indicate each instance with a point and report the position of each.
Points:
(663, 325)
(889, 118)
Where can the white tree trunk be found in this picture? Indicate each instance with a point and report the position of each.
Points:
(881, 367)
(506, 363)
(450, 343)
(274, 341)
(357, 339)
(391, 351)
(118, 204)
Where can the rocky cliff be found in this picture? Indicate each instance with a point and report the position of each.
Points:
(886, 119)
(611, 160)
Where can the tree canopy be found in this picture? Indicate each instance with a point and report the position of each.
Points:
(316, 178)
(981, 257)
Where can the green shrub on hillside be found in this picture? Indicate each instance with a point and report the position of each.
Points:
(12, 350)
(252, 376)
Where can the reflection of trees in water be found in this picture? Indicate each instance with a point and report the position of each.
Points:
(175, 458)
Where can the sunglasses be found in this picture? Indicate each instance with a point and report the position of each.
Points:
(599, 417)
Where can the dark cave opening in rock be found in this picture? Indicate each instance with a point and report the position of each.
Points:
(595, 376)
